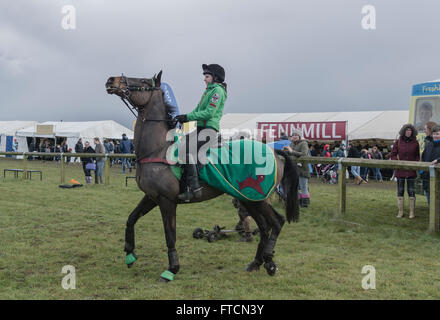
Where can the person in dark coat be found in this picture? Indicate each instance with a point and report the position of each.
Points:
(406, 148)
(353, 152)
(431, 153)
(85, 161)
(126, 146)
(79, 148)
(425, 174)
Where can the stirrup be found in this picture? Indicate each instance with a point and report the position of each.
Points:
(186, 196)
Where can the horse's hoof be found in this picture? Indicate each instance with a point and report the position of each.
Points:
(166, 276)
(130, 259)
(253, 266)
(271, 268)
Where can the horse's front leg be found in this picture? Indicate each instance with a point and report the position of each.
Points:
(168, 211)
(144, 206)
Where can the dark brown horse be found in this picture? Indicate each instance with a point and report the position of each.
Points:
(156, 179)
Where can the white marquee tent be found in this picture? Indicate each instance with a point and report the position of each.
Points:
(87, 130)
(8, 130)
(362, 125)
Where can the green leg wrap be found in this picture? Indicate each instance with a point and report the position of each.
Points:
(167, 275)
(130, 259)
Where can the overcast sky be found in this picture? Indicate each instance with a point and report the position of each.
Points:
(279, 55)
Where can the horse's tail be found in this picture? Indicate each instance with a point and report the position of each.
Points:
(290, 182)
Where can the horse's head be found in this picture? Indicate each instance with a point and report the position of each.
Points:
(138, 91)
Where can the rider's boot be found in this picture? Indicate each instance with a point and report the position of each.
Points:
(192, 179)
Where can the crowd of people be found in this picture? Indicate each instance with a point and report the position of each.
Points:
(405, 148)
(90, 164)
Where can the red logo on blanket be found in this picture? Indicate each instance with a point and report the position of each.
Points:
(252, 183)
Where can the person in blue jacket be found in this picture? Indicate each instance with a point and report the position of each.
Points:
(126, 146)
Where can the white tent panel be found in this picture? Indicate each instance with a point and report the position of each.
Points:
(362, 125)
(87, 130)
(9, 128)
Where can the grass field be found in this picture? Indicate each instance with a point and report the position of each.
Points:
(44, 227)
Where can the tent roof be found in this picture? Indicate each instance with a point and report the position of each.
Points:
(362, 125)
(10, 127)
(89, 129)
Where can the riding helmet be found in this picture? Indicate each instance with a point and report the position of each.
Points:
(215, 70)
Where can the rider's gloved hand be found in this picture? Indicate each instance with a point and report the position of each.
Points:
(181, 118)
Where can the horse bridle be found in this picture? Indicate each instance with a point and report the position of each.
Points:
(126, 97)
(126, 93)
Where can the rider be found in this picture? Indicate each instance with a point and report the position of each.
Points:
(207, 114)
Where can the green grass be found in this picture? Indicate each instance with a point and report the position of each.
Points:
(44, 227)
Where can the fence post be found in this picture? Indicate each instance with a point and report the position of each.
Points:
(25, 165)
(63, 171)
(434, 206)
(342, 189)
(107, 170)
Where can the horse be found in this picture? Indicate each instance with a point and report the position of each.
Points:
(161, 187)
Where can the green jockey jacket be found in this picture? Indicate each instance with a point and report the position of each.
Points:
(210, 108)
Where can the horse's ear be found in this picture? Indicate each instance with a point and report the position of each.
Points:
(157, 78)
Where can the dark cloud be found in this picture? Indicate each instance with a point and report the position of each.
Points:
(279, 56)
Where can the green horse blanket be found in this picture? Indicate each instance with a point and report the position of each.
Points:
(245, 169)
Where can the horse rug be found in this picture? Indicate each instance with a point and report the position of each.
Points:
(245, 169)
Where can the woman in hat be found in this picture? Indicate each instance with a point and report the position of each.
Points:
(300, 148)
(207, 114)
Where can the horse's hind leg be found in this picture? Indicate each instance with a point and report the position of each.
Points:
(276, 221)
(268, 221)
(264, 235)
(168, 211)
(144, 206)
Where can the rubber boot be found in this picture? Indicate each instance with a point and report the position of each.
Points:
(192, 179)
(359, 180)
(412, 207)
(96, 179)
(400, 207)
(100, 180)
(306, 200)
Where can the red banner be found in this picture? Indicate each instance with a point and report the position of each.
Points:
(325, 130)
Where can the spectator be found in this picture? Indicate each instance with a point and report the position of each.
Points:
(99, 148)
(57, 150)
(32, 148)
(68, 158)
(15, 145)
(313, 152)
(88, 163)
(326, 152)
(425, 174)
(365, 154)
(407, 148)
(377, 155)
(126, 147)
(78, 148)
(340, 153)
(355, 170)
(431, 152)
(111, 150)
(300, 148)
(283, 136)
